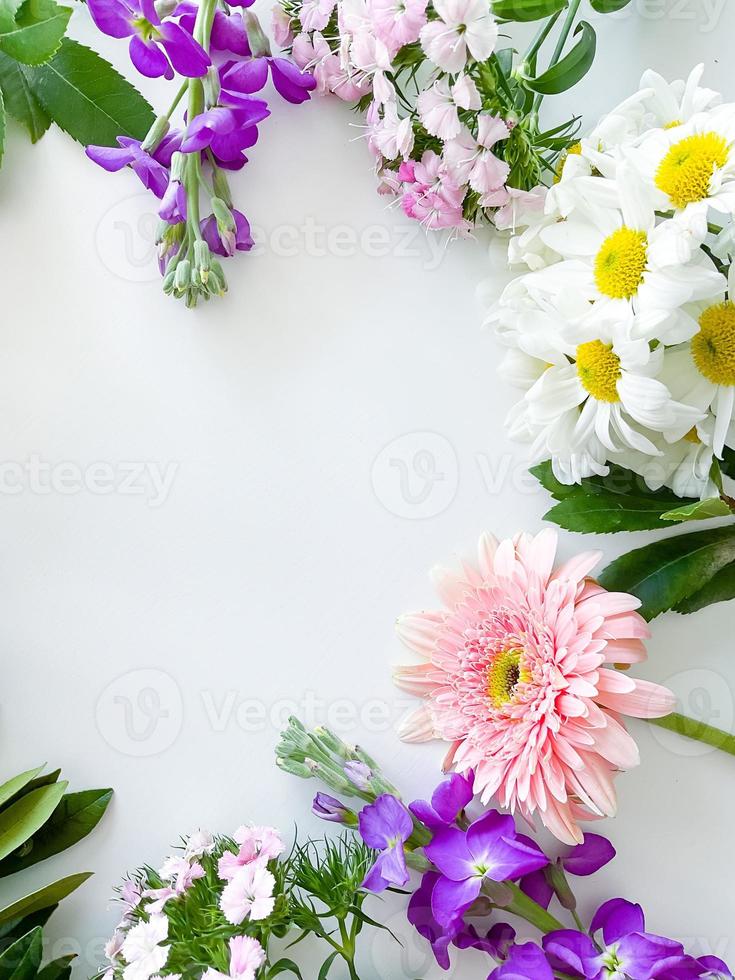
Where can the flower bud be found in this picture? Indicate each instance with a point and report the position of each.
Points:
(202, 259)
(258, 42)
(558, 881)
(359, 775)
(328, 808)
(294, 768)
(178, 165)
(221, 186)
(155, 134)
(182, 279)
(211, 85)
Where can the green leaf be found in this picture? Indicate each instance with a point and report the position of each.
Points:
(727, 463)
(22, 960)
(326, 966)
(44, 897)
(608, 6)
(13, 786)
(525, 10)
(15, 928)
(36, 33)
(75, 816)
(2, 127)
(284, 965)
(20, 102)
(87, 98)
(22, 819)
(620, 501)
(700, 510)
(666, 572)
(59, 969)
(571, 68)
(720, 588)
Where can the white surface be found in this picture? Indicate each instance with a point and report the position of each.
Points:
(277, 563)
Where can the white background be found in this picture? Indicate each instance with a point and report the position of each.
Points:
(276, 565)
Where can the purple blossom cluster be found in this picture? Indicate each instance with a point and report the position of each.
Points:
(471, 867)
(225, 63)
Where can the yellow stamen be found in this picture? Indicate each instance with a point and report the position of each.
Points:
(621, 262)
(713, 348)
(599, 370)
(692, 436)
(504, 675)
(673, 124)
(686, 172)
(574, 150)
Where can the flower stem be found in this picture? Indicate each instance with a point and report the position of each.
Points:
(541, 36)
(561, 41)
(531, 911)
(698, 731)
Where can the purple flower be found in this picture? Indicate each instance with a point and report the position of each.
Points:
(228, 30)
(582, 860)
(488, 849)
(325, 806)
(225, 240)
(385, 826)
(496, 942)
(359, 775)
(157, 47)
(152, 173)
(715, 968)
(422, 919)
(447, 801)
(627, 950)
(525, 962)
(244, 78)
(227, 131)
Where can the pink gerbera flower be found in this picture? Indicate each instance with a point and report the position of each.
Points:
(514, 676)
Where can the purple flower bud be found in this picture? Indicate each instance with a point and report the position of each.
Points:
(331, 809)
(359, 775)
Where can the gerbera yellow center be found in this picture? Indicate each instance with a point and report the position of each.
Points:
(621, 262)
(685, 173)
(504, 674)
(713, 348)
(599, 370)
(574, 150)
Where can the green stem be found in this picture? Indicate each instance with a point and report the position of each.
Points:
(179, 96)
(698, 731)
(531, 911)
(566, 28)
(541, 36)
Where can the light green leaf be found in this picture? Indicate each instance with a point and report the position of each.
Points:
(620, 501)
(700, 510)
(22, 819)
(720, 588)
(44, 897)
(284, 965)
(526, 10)
(36, 33)
(326, 965)
(74, 817)
(87, 98)
(20, 102)
(14, 786)
(15, 928)
(2, 127)
(608, 6)
(571, 68)
(22, 960)
(665, 573)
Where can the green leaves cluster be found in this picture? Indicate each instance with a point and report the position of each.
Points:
(38, 819)
(685, 572)
(46, 77)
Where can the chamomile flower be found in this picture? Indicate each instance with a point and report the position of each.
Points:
(690, 169)
(630, 258)
(684, 466)
(671, 104)
(702, 371)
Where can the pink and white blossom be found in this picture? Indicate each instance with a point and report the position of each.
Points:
(391, 135)
(143, 950)
(464, 27)
(314, 14)
(248, 895)
(472, 161)
(246, 957)
(398, 22)
(438, 106)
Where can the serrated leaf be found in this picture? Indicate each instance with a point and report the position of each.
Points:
(608, 6)
(526, 10)
(720, 588)
(571, 68)
(665, 573)
(43, 898)
(87, 98)
(74, 817)
(700, 510)
(36, 33)
(620, 501)
(20, 102)
(22, 960)
(22, 819)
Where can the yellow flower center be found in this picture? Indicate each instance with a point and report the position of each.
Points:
(574, 150)
(685, 173)
(692, 436)
(673, 124)
(599, 370)
(621, 262)
(505, 673)
(713, 348)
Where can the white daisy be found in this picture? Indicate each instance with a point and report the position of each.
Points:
(684, 466)
(690, 169)
(671, 104)
(630, 258)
